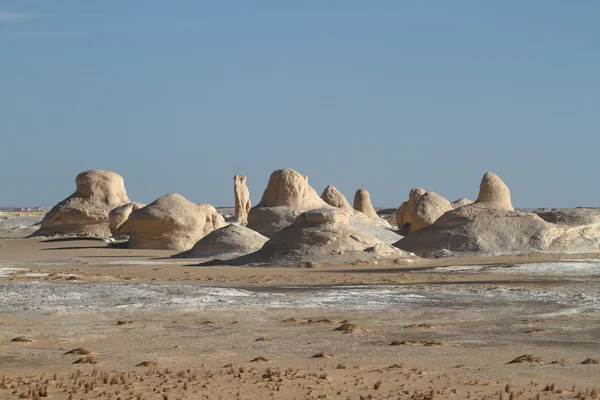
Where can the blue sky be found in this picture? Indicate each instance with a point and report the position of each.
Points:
(386, 95)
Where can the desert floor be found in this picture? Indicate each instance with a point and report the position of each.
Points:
(146, 326)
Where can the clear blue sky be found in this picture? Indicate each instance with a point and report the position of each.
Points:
(178, 96)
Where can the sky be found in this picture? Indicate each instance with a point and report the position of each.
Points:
(383, 95)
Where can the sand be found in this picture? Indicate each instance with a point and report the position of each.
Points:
(136, 324)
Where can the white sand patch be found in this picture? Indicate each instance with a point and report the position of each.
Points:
(7, 271)
(574, 268)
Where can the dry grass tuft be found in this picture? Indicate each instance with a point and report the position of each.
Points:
(147, 364)
(349, 327)
(590, 361)
(526, 358)
(22, 339)
(88, 360)
(264, 339)
(323, 355)
(261, 358)
(80, 351)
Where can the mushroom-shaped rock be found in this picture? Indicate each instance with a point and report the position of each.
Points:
(493, 193)
(362, 203)
(334, 197)
(85, 212)
(242, 199)
(228, 241)
(322, 235)
(171, 223)
(404, 213)
(287, 195)
(463, 201)
(118, 217)
(428, 209)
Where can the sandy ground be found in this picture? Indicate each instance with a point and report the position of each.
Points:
(422, 329)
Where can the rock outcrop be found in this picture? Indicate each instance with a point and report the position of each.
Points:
(406, 209)
(86, 212)
(335, 198)
(362, 203)
(287, 195)
(228, 241)
(493, 193)
(491, 227)
(320, 236)
(242, 199)
(171, 223)
(463, 201)
(427, 210)
(118, 218)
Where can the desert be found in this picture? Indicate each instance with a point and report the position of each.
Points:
(329, 306)
(414, 212)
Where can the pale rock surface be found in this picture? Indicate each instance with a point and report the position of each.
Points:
(288, 188)
(86, 212)
(118, 218)
(214, 219)
(405, 211)
(171, 223)
(319, 236)
(242, 199)
(363, 205)
(228, 241)
(287, 195)
(335, 198)
(493, 193)
(463, 201)
(427, 210)
(489, 227)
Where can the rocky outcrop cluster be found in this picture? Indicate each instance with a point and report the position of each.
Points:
(491, 226)
(320, 236)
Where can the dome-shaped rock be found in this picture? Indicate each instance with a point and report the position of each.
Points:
(118, 217)
(85, 212)
(427, 210)
(287, 195)
(228, 241)
(334, 197)
(171, 223)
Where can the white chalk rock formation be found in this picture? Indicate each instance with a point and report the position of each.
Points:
(171, 223)
(118, 218)
(362, 205)
(287, 195)
(463, 201)
(427, 210)
(493, 193)
(405, 211)
(228, 241)
(320, 236)
(335, 198)
(491, 227)
(242, 199)
(85, 212)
